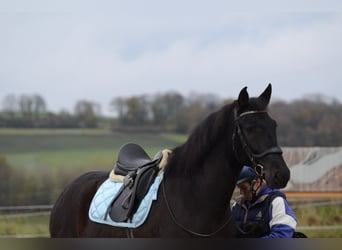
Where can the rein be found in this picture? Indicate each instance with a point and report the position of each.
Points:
(253, 157)
(174, 219)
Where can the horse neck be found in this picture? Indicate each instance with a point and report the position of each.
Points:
(202, 172)
(201, 202)
(216, 180)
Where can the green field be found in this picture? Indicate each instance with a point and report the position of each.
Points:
(49, 159)
(40, 163)
(24, 226)
(84, 149)
(319, 221)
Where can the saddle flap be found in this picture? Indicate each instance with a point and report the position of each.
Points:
(121, 207)
(128, 199)
(144, 181)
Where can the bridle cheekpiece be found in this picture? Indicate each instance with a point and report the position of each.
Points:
(253, 157)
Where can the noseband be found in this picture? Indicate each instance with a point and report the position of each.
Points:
(253, 157)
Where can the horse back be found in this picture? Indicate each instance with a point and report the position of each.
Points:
(69, 214)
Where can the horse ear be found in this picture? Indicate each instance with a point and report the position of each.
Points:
(266, 95)
(243, 98)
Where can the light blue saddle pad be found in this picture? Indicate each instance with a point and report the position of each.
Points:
(104, 196)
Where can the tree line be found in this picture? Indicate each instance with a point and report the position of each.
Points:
(30, 111)
(311, 121)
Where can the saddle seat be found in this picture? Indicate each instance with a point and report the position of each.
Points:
(131, 157)
(139, 172)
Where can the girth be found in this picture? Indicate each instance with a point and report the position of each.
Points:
(139, 172)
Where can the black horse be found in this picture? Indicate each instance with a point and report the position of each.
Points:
(199, 178)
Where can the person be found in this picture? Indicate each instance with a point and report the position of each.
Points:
(260, 211)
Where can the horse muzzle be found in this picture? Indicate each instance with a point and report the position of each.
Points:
(276, 172)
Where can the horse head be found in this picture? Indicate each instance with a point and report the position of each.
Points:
(255, 140)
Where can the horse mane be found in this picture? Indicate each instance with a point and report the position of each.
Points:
(189, 156)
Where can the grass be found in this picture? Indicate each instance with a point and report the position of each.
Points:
(24, 226)
(28, 143)
(29, 131)
(318, 221)
(179, 138)
(88, 149)
(322, 232)
(320, 216)
(86, 159)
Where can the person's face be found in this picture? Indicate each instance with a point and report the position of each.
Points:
(245, 190)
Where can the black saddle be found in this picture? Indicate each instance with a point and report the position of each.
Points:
(139, 171)
(131, 157)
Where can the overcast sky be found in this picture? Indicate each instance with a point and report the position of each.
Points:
(68, 51)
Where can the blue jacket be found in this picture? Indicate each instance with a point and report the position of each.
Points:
(269, 216)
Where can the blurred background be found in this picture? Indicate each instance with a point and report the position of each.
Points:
(80, 78)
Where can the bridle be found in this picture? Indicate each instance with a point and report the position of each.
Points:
(253, 157)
